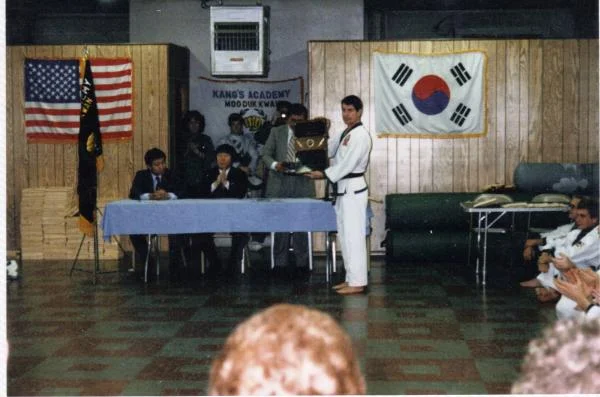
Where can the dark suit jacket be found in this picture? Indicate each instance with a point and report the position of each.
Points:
(238, 184)
(143, 182)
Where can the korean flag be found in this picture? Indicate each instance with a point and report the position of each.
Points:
(438, 96)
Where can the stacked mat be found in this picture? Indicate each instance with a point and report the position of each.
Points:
(49, 227)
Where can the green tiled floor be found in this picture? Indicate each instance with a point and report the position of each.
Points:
(420, 329)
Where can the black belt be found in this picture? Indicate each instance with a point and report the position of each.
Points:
(353, 175)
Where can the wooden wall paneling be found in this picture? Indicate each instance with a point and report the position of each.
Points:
(462, 176)
(352, 62)
(108, 186)
(523, 99)
(570, 101)
(125, 147)
(9, 215)
(316, 82)
(512, 137)
(392, 157)
(378, 165)
(425, 145)
(335, 70)
(378, 168)
(536, 100)
(138, 100)
(14, 146)
(500, 132)
(593, 130)
(25, 157)
(442, 148)
(32, 148)
(149, 99)
(583, 96)
(552, 92)
(487, 144)
(401, 168)
(474, 146)
(415, 174)
(376, 202)
(163, 98)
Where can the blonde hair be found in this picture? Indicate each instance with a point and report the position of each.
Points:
(287, 349)
(565, 360)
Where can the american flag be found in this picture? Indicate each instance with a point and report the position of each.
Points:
(52, 99)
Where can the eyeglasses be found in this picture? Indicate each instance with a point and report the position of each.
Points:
(571, 205)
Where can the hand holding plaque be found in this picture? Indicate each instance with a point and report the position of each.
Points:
(311, 144)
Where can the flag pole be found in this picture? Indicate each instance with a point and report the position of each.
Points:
(90, 163)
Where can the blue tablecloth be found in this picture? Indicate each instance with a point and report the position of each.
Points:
(217, 215)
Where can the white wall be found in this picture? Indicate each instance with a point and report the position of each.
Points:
(293, 23)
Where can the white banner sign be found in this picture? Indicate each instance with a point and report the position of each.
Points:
(433, 96)
(254, 100)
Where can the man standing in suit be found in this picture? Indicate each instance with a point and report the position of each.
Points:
(225, 181)
(156, 182)
(281, 183)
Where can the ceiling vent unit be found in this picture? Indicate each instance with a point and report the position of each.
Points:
(239, 41)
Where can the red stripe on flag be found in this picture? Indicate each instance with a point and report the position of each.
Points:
(109, 61)
(53, 112)
(50, 123)
(113, 98)
(117, 73)
(114, 122)
(116, 86)
(117, 109)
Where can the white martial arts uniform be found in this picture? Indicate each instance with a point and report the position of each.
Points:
(556, 237)
(350, 152)
(585, 253)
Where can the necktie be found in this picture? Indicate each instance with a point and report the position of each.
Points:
(291, 150)
(156, 182)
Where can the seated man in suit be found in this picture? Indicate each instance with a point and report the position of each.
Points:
(225, 181)
(156, 182)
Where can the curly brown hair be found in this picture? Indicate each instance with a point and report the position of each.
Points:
(564, 360)
(287, 349)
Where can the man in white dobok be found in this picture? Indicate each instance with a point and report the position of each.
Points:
(349, 152)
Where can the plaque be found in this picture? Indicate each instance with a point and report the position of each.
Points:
(311, 144)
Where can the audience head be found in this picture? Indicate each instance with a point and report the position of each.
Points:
(194, 122)
(564, 360)
(586, 213)
(225, 156)
(281, 112)
(287, 349)
(297, 112)
(573, 203)
(235, 121)
(155, 160)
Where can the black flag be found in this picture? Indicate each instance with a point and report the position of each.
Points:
(90, 152)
